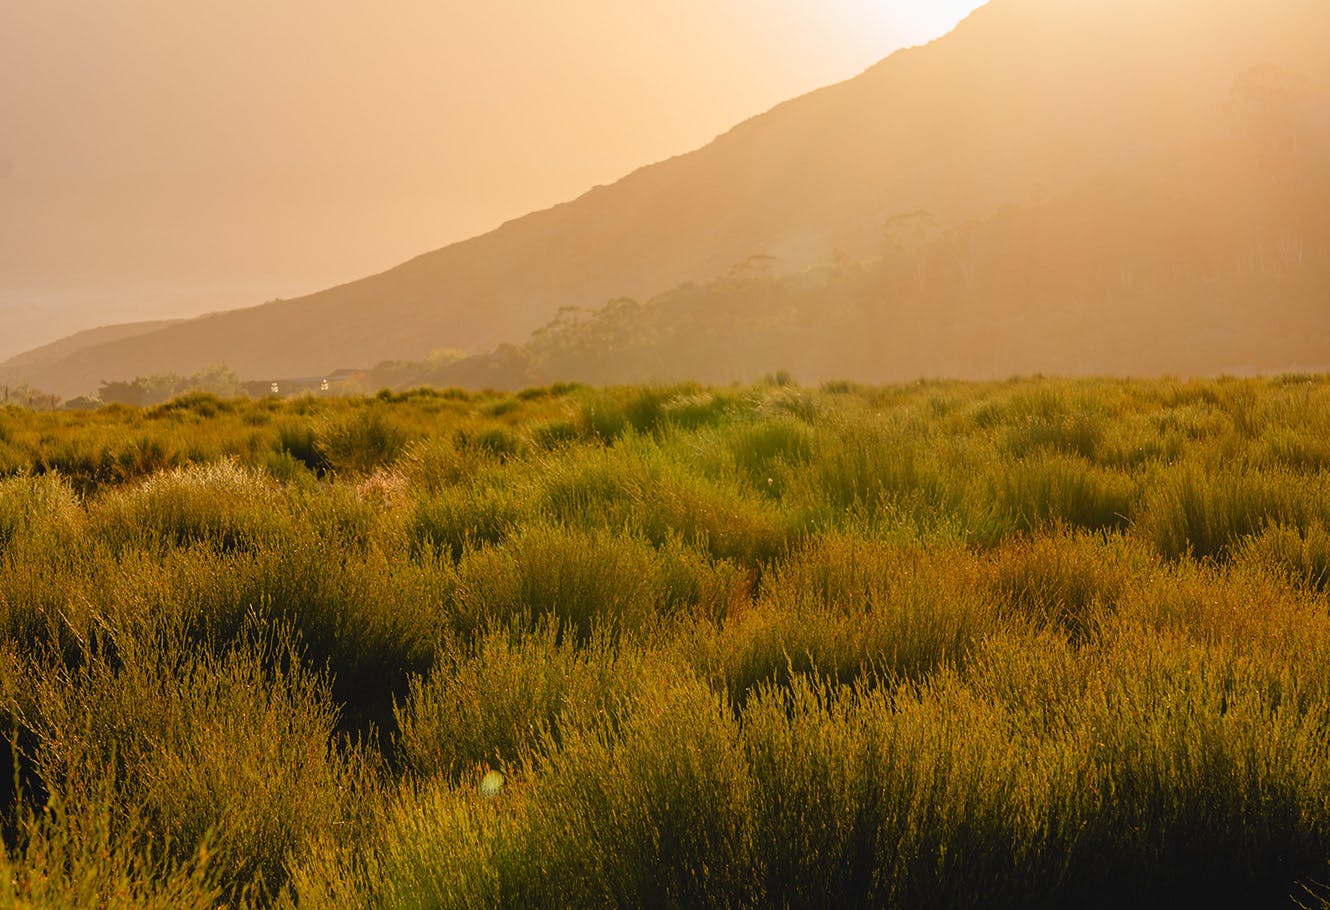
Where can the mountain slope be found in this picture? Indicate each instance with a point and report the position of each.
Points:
(72, 344)
(1024, 97)
(1214, 260)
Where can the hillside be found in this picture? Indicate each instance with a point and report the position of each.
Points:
(1023, 99)
(1213, 261)
(58, 350)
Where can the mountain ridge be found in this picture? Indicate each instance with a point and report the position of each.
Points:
(1022, 97)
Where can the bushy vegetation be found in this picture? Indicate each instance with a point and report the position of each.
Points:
(1035, 643)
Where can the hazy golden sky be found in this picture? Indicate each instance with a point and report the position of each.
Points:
(155, 151)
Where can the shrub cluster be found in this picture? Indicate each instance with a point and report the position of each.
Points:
(1036, 643)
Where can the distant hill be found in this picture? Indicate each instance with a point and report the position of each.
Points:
(56, 351)
(1212, 260)
(1024, 101)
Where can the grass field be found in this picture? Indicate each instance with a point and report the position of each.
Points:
(1037, 643)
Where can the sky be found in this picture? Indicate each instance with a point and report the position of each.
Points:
(161, 158)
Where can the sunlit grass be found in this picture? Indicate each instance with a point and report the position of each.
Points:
(1034, 643)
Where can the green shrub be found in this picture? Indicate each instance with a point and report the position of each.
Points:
(501, 407)
(436, 845)
(432, 464)
(696, 410)
(554, 434)
(368, 619)
(362, 441)
(600, 416)
(509, 698)
(285, 468)
(848, 610)
(300, 441)
(1048, 425)
(1064, 579)
(764, 451)
(456, 519)
(499, 442)
(584, 580)
(69, 858)
(228, 754)
(1296, 448)
(867, 465)
(202, 405)
(1218, 772)
(221, 504)
(635, 490)
(1190, 512)
(812, 789)
(89, 465)
(38, 507)
(1043, 491)
(1301, 556)
(655, 816)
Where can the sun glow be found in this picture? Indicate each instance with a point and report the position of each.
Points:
(912, 22)
(418, 117)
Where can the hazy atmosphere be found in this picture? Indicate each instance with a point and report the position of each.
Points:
(742, 454)
(160, 159)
